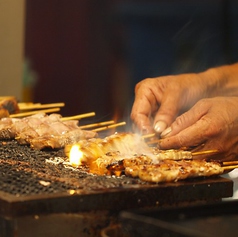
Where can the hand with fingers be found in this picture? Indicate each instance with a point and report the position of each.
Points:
(186, 109)
(210, 124)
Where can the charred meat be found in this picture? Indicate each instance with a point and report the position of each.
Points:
(8, 106)
(124, 145)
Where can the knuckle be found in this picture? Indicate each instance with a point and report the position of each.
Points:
(142, 84)
(204, 103)
(180, 121)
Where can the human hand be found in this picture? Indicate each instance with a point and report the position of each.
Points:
(210, 124)
(158, 101)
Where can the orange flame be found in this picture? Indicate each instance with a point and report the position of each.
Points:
(75, 156)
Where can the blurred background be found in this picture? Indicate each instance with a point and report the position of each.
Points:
(90, 54)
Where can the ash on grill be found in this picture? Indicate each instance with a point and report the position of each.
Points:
(24, 171)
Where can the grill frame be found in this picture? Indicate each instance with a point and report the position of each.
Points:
(189, 191)
(91, 192)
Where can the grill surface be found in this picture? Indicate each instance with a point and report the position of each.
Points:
(24, 172)
(31, 185)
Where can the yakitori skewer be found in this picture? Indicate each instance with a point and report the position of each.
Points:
(80, 116)
(109, 127)
(24, 114)
(93, 125)
(39, 106)
(149, 135)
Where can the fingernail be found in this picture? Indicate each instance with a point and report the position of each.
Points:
(166, 132)
(160, 126)
(144, 130)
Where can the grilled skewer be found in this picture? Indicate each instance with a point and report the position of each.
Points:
(164, 171)
(43, 131)
(129, 144)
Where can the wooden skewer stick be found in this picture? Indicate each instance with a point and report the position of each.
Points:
(24, 114)
(204, 152)
(148, 135)
(230, 167)
(7, 97)
(234, 162)
(25, 104)
(40, 106)
(153, 141)
(109, 127)
(80, 116)
(96, 124)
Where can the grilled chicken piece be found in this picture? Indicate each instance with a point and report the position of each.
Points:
(172, 171)
(116, 163)
(6, 125)
(114, 153)
(127, 144)
(143, 167)
(127, 153)
(59, 141)
(172, 154)
(4, 112)
(41, 131)
(118, 168)
(42, 127)
(8, 106)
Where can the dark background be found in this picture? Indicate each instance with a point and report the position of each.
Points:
(90, 54)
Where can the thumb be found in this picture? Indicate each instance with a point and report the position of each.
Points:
(166, 114)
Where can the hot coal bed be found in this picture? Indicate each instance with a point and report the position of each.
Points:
(42, 195)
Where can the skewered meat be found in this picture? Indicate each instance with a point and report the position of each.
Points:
(6, 128)
(3, 112)
(142, 167)
(172, 154)
(8, 106)
(41, 131)
(61, 140)
(127, 153)
(164, 171)
(115, 163)
(126, 145)
(167, 170)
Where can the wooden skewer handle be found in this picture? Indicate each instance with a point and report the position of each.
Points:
(24, 114)
(148, 135)
(96, 124)
(80, 116)
(109, 127)
(230, 167)
(235, 162)
(40, 106)
(204, 152)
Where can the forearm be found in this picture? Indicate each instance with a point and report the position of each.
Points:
(221, 81)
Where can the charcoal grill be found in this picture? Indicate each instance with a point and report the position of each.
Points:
(37, 192)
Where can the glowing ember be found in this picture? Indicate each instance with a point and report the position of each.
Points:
(75, 156)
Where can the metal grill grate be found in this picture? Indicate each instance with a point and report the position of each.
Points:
(24, 171)
(30, 185)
